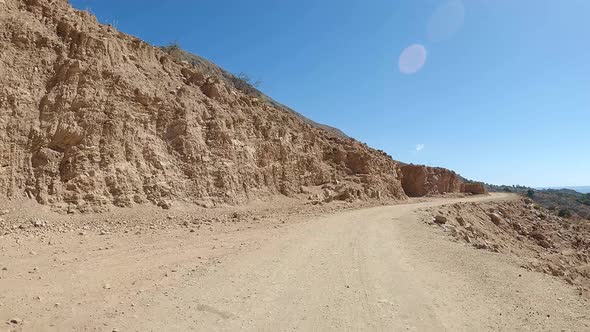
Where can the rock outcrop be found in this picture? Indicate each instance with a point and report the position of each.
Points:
(90, 117)
(418, 180)
(475, 188)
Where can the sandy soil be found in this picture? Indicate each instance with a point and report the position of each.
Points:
(377, 268)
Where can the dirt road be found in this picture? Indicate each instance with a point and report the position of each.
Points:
(372, 269)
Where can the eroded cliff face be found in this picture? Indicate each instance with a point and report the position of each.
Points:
(475, 188)
(418, 180)
(91, 117)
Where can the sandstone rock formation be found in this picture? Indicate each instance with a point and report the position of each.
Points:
(90, 117)
(475, 188)
(418, 180)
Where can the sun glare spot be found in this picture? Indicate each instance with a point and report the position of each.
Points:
(412, 59)
(446, 20)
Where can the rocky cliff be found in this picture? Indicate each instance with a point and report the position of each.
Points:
(90, 117)
(475, 188)
(418, 180)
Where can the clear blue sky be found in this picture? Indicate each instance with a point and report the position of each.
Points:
(503, 96)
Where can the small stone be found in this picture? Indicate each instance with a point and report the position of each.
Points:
(15, 320)
(496, 219)
(467, 238)
(461, 221)
(440, 219)
(38, 223)
(166, 205)
(106, 286)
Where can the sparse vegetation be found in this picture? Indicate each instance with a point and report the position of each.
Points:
(564, 213)
(173, 49)
(207, 68)
(247, 85)
(242, 81)
(246, 79)
(585, 200)
(565, 202)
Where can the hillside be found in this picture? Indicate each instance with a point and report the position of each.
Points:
(583, 190)
(565, 202)
(580, 189)
(93, 117)
(237, 82)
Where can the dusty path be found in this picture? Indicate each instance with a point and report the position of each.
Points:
(372, 269)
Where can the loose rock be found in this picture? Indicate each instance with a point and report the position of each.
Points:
(440, 219)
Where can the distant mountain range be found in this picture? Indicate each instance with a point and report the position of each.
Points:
(580, 189)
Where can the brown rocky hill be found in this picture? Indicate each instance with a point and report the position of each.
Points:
(90, 117)
(539, 237)
(420, 180)
(567, 202)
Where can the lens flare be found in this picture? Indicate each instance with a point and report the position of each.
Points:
(447, 19)
(412, 59)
